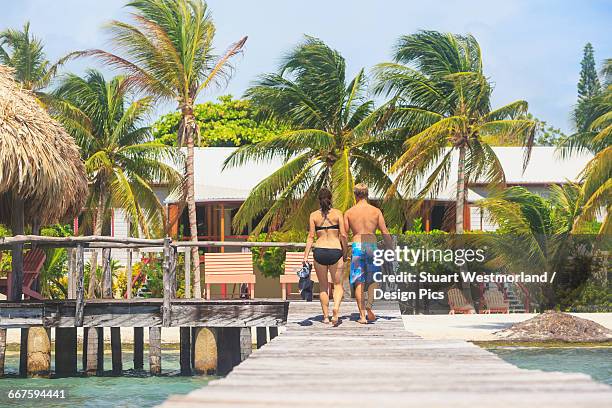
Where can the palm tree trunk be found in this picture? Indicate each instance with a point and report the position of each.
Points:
(190, 128)
(97, 230)
(460, 191)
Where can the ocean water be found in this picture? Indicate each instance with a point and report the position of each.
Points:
(132, 389)
(596, 362)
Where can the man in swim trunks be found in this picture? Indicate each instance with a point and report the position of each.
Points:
(363, 219)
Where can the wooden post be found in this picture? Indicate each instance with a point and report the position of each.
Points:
(116, 350)
(222, 226)
(2, 350)
(262, 337)
(100, 331)
(66, 351)
(205, 350)
(138, 348)
(17, 227)
(84, 352)
(107, 277)
(23, 353)
(39, 352)
(185, 356)
(155, 350)
(246, 344)
(228, 349)
(187, 274)
(70, 256)
(167, 284)
(80, 289)
(128, 273)
(91, 362)
(173, 281)
(273, 332)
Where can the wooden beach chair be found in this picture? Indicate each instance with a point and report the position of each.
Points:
(229, 267)
(293, 261)
(33, 262)
(495, 302)
(458, 303)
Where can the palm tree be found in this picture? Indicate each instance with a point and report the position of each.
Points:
(168, 53)
(442, 104)
(329, 143)
(121, 157)
(24, 53)
(593, 120)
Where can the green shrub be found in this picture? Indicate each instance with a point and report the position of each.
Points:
(271, 261)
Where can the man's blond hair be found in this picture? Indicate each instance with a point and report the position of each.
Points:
(361, 191)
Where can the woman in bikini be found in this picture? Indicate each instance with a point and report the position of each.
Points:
(328, 251)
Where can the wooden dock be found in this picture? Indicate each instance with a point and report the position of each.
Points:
(383, 365)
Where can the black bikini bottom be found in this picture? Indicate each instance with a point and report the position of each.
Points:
(327, 256)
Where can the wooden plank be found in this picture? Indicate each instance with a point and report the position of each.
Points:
(155, 350)
(66, 351)
(185, 350)
(80, 286)
(138, 348)
(116, 350)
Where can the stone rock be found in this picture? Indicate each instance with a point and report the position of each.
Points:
(39, 352)
(556, 326)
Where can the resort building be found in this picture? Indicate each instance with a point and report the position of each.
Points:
(220, 192)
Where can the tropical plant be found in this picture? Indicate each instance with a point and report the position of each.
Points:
(588, 85)
(442, 105)
(329, 143)
(121, 158)
(168, 53)
(228, 122)
(25, 54)
(593, 121)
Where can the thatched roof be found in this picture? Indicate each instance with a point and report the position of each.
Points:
(39, 161)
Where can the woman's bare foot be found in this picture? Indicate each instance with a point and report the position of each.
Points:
(325, 320)
(362, 320)
(371, 315)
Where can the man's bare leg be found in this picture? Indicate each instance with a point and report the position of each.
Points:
(370, 303)
(337, 273)
(359, 299)
(321, 271)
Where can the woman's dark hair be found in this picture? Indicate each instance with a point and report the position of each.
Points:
(325, 201)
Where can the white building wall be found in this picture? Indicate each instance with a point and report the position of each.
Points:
(121, 229)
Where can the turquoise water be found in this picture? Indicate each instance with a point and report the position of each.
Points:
(133, 389)
(596, 362)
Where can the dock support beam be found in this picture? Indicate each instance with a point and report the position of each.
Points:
(116, 350)
(80, 289)
(262, 336)
(246, 343)
(38, 352)
(205, 351)
(185, 356)
(155, 350)
(23, 353)
(2, 350)
(94, 362)
(138, 348)
(66, 351)
(228, 349)
(273, 332)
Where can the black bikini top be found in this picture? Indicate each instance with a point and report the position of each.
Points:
(327, 227)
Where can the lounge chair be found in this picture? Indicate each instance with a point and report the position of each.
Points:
(458, 303)
(495, 302)
(293, 261)
(229, 267)
(33, 262)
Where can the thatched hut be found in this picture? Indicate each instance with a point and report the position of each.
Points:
(42, 177)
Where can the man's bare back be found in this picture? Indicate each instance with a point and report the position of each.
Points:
(363, 219)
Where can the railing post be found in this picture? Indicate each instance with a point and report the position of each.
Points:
(107, 276)
(128, 272)
(187, 273)
(80, 290)
(168, 285)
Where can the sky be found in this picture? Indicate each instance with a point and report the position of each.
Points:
(531, 48)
